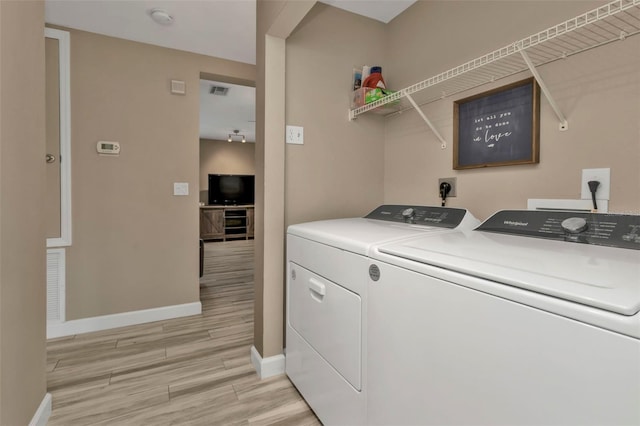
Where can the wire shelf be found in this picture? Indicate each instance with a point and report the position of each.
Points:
(612, 22)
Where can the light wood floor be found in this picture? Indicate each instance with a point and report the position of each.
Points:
(193, 370)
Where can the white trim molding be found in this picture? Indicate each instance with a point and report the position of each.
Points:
(64, 52)
(267, 367)
(105, 322)
(41, 416)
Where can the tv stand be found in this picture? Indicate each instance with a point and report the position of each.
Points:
(226, 223)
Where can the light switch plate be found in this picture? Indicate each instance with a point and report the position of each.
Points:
(180, 188)
(295, 135)
(601, 175)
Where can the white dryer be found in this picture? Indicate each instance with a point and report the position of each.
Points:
(327, 274)
(533, 318)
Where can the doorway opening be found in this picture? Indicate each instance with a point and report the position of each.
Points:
(226, 185)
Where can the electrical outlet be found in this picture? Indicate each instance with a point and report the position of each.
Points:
(601, 175)
(451, 181)
(295, 135)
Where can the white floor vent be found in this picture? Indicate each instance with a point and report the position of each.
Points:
(55, 285)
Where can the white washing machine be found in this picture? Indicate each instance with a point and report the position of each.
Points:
(327, 274)
(533, 318)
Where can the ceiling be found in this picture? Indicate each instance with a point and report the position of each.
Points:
(220, 115)
(199, 26)
(380, 10)
(220, 28)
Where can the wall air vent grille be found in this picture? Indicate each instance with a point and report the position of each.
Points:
(55, 285)
(219, 90)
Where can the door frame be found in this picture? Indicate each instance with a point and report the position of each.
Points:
(65, 137)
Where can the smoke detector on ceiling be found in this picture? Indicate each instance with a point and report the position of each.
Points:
(161, 16)
(219, 90)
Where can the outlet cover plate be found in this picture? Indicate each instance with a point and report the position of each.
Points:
(451, 181)
(601, 175)
(295, 135)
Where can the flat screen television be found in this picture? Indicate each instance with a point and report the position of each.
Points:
(231, 189)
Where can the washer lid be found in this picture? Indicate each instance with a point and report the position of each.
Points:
(602, 277)
(385, 224)
(356, 235)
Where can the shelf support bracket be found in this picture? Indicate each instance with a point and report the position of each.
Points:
(443, 143)
(564, 125)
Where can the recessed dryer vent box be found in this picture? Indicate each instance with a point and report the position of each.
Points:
(601, 175)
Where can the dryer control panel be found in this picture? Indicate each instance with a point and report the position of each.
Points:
(613, 230)
(443, 217)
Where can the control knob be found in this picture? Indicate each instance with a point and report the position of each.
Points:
(574, 225)
(408, 213)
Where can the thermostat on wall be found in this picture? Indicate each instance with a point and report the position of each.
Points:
(108, 148)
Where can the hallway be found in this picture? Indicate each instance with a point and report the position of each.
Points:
(193, 370)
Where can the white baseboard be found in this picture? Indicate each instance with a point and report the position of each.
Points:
(41, 416)
(267, 367)
(105, 322)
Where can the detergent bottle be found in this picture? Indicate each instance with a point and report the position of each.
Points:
(375, 79)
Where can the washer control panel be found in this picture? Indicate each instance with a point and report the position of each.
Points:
(443, 217)
(613, 230)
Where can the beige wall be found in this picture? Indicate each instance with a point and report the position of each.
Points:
(598, 91)
(134, 243)
(222, 157)
(22, 224)
(275, 21)
(338, 172)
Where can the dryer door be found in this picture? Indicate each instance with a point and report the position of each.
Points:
(328, 317)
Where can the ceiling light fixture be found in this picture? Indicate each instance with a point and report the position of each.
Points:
(161, 16)
(236, 133)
